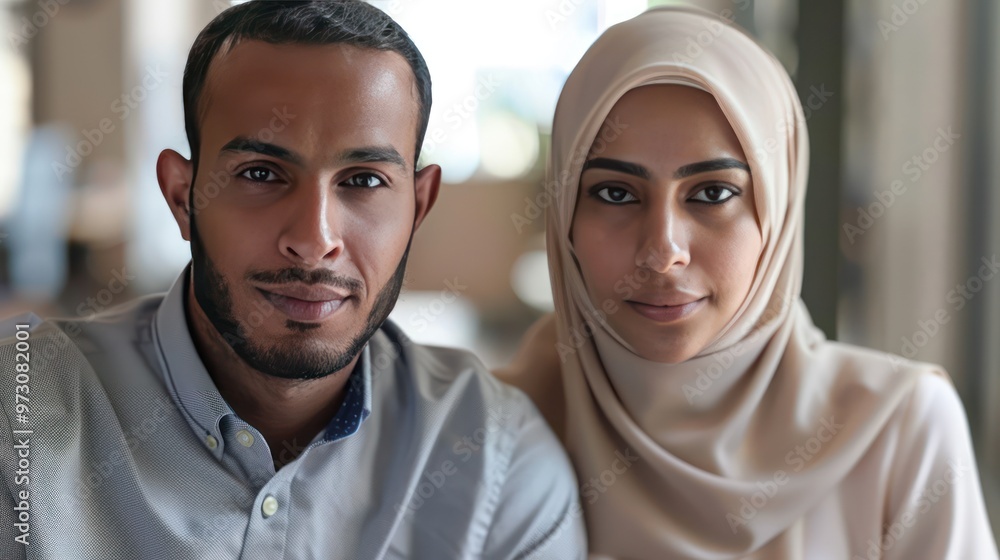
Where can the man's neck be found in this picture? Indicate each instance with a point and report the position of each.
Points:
(288, 413)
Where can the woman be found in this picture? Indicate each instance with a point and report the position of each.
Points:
(705, 414)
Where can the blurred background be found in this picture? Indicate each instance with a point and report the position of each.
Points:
(901, 229)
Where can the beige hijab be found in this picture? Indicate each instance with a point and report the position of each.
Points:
(697, 460)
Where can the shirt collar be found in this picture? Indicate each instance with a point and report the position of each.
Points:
(185, 374)
(357, 403)
(195, 391)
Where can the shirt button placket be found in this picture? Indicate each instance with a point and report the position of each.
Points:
(266, 535)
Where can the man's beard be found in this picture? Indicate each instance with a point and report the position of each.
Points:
(301, 362)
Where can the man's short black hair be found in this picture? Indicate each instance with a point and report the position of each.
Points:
(308, 22)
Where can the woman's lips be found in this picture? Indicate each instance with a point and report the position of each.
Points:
(302, 310)
(666, 313)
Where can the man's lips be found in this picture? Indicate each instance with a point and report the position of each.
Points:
(666, 313)
(311, 293)
(304, 303)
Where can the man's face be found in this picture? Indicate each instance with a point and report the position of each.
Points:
(304, 201)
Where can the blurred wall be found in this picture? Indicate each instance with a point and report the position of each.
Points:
(81, 87)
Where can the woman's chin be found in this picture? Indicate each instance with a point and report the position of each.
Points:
(656, 349)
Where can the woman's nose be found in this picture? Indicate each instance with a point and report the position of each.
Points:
(665, 242)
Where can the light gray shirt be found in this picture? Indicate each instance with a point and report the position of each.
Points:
(124, 449)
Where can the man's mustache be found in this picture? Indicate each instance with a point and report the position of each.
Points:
(308, 277)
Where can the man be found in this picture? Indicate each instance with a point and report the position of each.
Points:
(264, 407)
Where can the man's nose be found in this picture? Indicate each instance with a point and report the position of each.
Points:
(312, 233)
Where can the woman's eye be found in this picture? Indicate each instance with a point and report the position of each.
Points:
(615, 195)
(364, 180)
(715, 194)
(258, 174)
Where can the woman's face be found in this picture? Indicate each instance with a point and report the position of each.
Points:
(665, 228)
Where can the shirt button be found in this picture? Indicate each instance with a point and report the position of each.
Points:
(245, 438)
(211, 442)
(270, 506)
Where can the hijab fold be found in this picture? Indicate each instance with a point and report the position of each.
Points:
(718, 474)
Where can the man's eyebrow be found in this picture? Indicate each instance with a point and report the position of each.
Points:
(366, 154)
(617, 165)
(373, 154)
(710, 165)
(248, 144)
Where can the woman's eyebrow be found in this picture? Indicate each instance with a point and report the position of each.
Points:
(617, 165)
(682, 172)
(710, 165)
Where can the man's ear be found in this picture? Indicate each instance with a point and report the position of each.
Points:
(426, 184)
(173, 172)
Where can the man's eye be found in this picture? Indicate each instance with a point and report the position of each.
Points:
(715, 194)
(258, 175)
(615, 195)
(364, 180)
